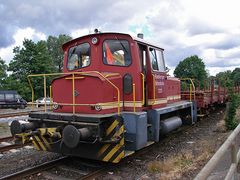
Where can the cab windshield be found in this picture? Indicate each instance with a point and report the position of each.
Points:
(79, 56)
(116, 52)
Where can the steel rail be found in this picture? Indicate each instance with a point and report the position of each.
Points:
(11, 146)
(13, 114)
(94, 174)
(34, 170)
(48, 165)
(6, 138)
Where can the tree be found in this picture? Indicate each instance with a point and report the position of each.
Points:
(3, 72)
(33, 58)
(224, 77)
(54, 45)
(191, 67)
(236, 76)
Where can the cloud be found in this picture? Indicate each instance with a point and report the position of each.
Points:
(62, 17)
(6, 35)
(183, 28)
(18, 37)
(196, 26)
(229, 41)
(214, 70)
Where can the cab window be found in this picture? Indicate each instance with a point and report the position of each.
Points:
(157, 61)
(116, 52)
(79, 56)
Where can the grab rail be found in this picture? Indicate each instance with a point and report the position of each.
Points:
(73, 86)
(134, 98)
(192, 89)
(143, 89)
(154, 89)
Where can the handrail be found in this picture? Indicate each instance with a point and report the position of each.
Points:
(134, 98)
(143, 89)
(192, 89)
(212, 163)
(45, 93)
(73, 92)
(154, 90)
(190, 93)
(50, 94)
(73, 78)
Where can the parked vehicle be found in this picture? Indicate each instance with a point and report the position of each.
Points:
(11, 99)
(41, 101)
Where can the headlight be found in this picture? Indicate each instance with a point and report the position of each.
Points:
(95, 40)
(55, 106)
(98, 107)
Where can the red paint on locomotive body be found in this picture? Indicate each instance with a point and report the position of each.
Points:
(114, 56)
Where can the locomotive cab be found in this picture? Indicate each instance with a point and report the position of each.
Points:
(136, 68)
(116, 59)
(113, 98)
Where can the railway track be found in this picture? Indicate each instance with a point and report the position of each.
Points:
(12, 113)
(20, 113)
(6, 145)
(9, 147)
(6, 115)
(8, 138)
(33, 170)
(48, 170)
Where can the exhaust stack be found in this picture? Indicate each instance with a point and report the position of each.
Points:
(140, 35)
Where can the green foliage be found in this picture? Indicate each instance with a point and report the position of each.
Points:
(231, 121)
(229, 79)
(3, 72)
(33, 58)
(191, 67)
(236, 76)
(224, 78)
(41, 57)
(54, 45)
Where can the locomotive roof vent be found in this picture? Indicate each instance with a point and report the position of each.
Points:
(140, 35)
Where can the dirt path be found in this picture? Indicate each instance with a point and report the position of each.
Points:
(178, 156)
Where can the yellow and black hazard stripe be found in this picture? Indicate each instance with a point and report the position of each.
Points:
(113, 152)
(41, 143)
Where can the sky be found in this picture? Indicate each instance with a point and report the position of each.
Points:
(207, 28)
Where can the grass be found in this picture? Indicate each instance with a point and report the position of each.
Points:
(174, 167)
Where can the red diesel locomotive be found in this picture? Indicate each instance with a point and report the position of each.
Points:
(114, 97)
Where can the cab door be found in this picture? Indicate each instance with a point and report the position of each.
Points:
(143, 62)
(156, 78)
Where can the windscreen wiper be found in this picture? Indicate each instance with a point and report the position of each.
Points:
(122, 45)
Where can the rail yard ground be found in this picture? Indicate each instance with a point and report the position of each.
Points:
(180, 155)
